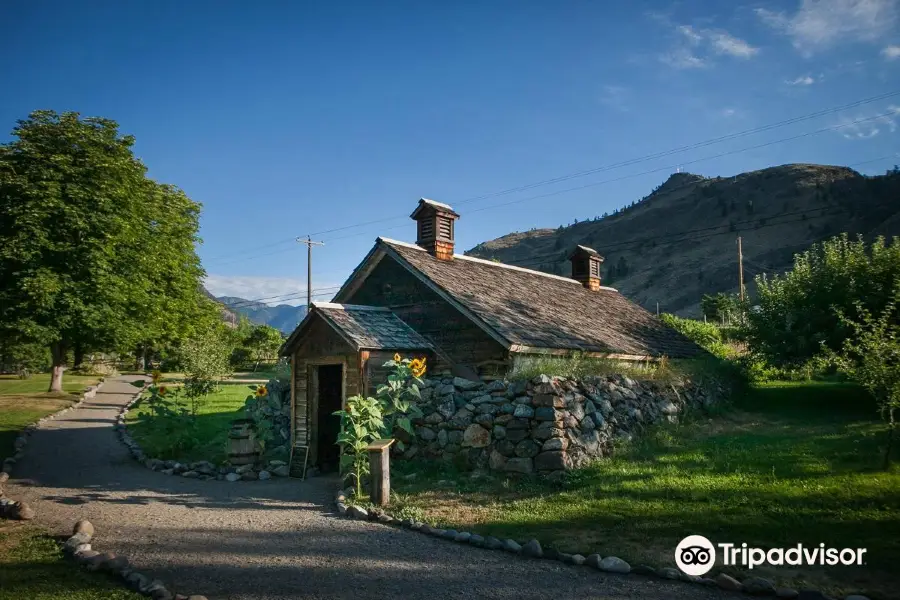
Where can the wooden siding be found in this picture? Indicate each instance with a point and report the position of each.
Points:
(373, 371)
(462, 341)
(321, 345)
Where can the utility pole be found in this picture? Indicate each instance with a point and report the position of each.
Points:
(309, 244)
(657, 308)
(741, 268)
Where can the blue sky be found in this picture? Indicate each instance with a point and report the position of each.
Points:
(289, 118)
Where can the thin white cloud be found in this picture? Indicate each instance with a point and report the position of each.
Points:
(891, 52)
(273, 289)
(682, 58)
(693, 46)
(802, 80)
(851, 129)
(724, 43)
(728, 112)
(689, 34)
(818, 24)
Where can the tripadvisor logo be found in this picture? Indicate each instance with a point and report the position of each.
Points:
(696, 555)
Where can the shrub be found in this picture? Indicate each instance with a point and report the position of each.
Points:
(169, 422)
(798, 313)
(871, 357)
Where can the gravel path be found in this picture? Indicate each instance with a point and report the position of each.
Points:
(270, 540)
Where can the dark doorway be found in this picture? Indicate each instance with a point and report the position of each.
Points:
(330, 400)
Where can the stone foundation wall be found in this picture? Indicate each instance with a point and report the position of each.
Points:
(548, 424)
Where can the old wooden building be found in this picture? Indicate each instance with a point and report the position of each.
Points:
(470, 316)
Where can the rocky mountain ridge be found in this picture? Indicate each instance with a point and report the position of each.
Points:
(283, 317)
(680, 241)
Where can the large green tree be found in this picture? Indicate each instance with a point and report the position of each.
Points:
(94, 255)
(809, 308)
(263, 343)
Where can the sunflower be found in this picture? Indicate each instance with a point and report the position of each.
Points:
(261, 391)
(417, 366)
(162, 390)
(397, 358)
(156, 376)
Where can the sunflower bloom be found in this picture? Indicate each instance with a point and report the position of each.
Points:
(261, 391)
(397, 357)
(162, 390)
(417, 366)
(155, 376)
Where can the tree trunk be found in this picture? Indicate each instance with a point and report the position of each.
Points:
(58, 353)
(890, 442)
(79, 355)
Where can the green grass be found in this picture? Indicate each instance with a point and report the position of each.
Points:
(212, 424)
(791, 463)
(32, 566)
(39, 383)
(24, 401)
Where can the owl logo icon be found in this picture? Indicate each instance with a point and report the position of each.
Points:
(695, 555)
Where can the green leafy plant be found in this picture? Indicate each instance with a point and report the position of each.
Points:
(399, 395)
(261, 406)
(810, 307)
(871, 357)
(362, 422)
(169, 420)
(205, 358)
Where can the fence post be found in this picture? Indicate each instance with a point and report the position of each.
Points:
(380, 470)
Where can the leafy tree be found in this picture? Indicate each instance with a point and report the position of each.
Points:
(871, 356)
(23, 357)
(263, 343)
(93, 254)
(798, 314)
(721, 307)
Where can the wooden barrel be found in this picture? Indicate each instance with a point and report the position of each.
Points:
(242, 443)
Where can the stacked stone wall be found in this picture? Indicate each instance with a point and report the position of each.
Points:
(546, 424)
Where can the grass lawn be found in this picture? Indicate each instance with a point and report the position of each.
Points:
(212, 425)
(39, 383)
(791, 463)
(24, 401)
(32, 566)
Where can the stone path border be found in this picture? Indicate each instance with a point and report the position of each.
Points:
(755, 586)
(200, 470)
(22, 440)
(78, 546)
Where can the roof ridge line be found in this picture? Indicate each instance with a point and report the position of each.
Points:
(338, 306)
(515, 268)
(483, 261)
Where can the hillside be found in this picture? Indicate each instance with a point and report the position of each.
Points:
(679, 242)
(283, 317)
(228, 316)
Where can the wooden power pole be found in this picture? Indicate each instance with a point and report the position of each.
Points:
(741, 268)
(309, 245)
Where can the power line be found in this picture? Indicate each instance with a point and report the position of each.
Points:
(770, 222)
(669, 167)
(242, 303)
(665, 168)
(628, 162)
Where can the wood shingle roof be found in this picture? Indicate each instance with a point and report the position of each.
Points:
(534, 310)
(371, 327)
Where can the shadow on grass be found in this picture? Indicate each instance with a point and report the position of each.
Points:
(789, 464)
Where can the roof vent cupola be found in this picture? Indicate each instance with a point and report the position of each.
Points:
(435, 224)
(586, 267)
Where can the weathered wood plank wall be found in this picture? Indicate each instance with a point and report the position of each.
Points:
(391, 285)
